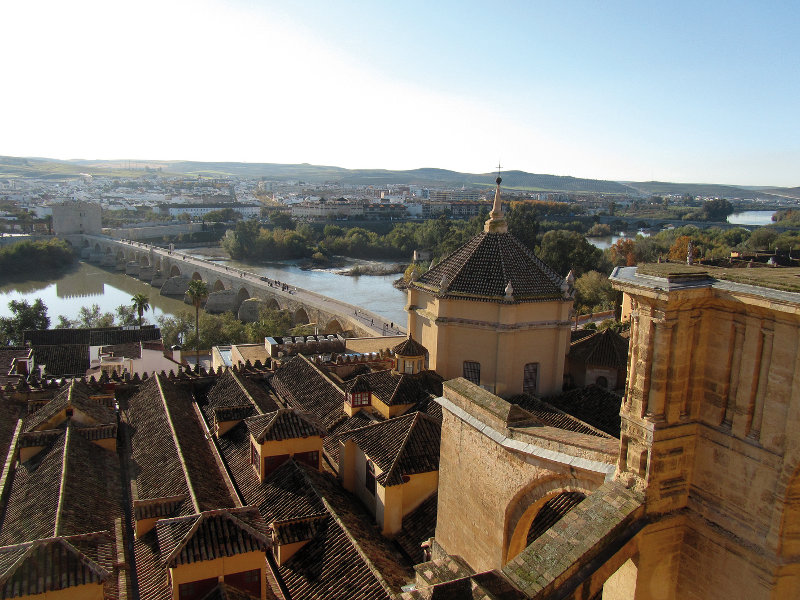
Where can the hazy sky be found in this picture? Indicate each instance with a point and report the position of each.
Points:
(681, 91)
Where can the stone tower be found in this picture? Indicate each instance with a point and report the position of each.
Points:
(494, 313)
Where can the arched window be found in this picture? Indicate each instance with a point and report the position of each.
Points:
(472, 371)
(530, 379)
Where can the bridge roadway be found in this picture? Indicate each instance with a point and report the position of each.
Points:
(229, 287)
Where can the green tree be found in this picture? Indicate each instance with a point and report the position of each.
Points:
(593, 292)
(282, 220)
(25, 316)
(523, 222)
(141, 304)
(126, 315)
(90, 316)
(717, 209)
(197, 292)
(569, 250)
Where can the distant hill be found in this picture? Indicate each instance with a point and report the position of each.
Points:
(432, 177)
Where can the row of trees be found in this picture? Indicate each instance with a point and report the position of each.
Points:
(23, 258)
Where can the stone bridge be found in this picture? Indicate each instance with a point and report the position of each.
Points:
(230, 288)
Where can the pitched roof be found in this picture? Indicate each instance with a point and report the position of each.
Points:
(75, 395)
(401, 446)
(170, 450)
(63, 360)
(393, 388)
(418, 526)
(300, 529)
(302, 385)
(592, 404)
(482, 268)
(73, 487)
(283, 424)
(7, 355)
(94, 336)
(235, 390)
(547, 414)
(330, 565)
(409, 347)
(210, 535)
(605, 348)
(51, 564)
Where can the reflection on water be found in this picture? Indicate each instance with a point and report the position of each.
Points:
(372, 292)
(86, 285)
(89, 284)
(751, 217)
(607, 241)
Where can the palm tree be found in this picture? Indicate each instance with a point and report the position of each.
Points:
(197, 292)
(141, 304)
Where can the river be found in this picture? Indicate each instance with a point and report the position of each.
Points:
(751, 217)
(89, 284)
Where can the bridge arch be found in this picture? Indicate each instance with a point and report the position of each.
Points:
(527, 504)
(301, 316)
(333, 326)
(107, 250)
(174, 271)
(196, 276)
(144, 260)
(85, 243)
(218, 286)
(120, 256)
(97, 247)
(273, 304)
(241, 296)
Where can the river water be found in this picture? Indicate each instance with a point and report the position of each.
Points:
(751, 217)
(89, 284)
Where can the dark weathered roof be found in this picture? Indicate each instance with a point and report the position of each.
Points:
(300, 529)
(95, 336)
(75, 395)
(302, 385)
(283, 424)
(483, 267)
(210, 535)
(7, 355)
(330, 565)
(170, 450)
(331, 442)
(10, 413)
(72, 487)
(226, 591)
(418, 526)
(394, 388)
(592, 404)
(401, 446)
(235, 390)
(52, 564)
(409, 347)
(547, 414)
(64, 360)
(605, 348)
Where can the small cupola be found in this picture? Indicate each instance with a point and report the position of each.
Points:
(409, 357)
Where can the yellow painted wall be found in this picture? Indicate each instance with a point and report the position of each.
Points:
(291, 447)
(218, 567)
(89, 591)
(389, 412)
(284, 552)
(503, 338)
(418, 489)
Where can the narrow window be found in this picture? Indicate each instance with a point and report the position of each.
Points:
(369, 479)
(530, 380)
(472, 371)
(409, 366)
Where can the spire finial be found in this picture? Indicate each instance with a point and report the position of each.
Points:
(496, 223)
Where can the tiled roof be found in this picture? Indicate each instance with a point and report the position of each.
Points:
(401, 446)
(7, 356)
(10, 413)
(592, 404)
(394, 388)
(233, 389)
(53, 564)
(75, 395)
(96, 336)
(127, 350)
(225, 591)
(210, 535)
(483, 267)
(65, 360)
(301, 529)
(302, 385)
(547, 414)
(73, 487)
(283, 424)
(409, 347)
(170, 451)
(331, 442)
(605, 349)
(329, 566)
(418, 526)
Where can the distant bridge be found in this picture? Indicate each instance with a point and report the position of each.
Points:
(229, 288)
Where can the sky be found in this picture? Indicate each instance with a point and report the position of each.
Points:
(624, 90)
